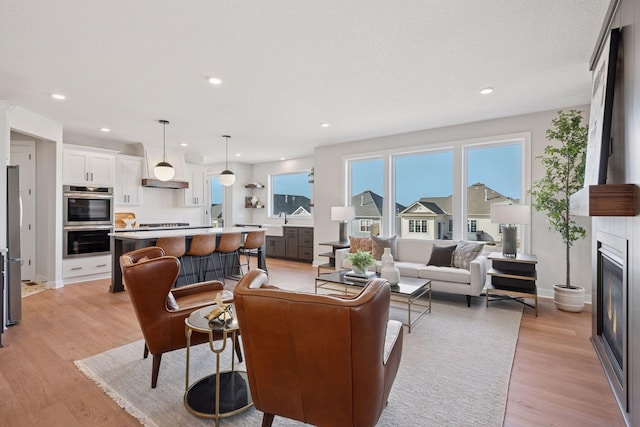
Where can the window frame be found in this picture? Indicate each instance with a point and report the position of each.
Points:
(460, 163)
(270, 188)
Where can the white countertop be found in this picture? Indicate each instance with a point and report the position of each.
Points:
(150, 234)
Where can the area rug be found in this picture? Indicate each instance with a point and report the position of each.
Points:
(32, 288)
(455, 371)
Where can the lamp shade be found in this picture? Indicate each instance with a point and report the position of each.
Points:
(227, 178)
(510, 214)
(342, 213)
(163, 171)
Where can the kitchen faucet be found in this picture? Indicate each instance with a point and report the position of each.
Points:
(286, 221)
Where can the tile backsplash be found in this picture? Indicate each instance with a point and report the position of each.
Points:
(163, 205)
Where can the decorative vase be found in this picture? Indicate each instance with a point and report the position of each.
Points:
(569, 299)
(359, 270)
(389, 270)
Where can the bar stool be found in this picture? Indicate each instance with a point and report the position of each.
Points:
(202, 248)
(252, 242)
(174, 246)
(229, 245)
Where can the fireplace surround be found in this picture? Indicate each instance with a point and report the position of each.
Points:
(610, 312)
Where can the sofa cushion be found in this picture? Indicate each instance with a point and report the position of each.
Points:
(410, 269)
(379, 243)
(464, 253)
(359, 244)
(445, 274)
(441, 255)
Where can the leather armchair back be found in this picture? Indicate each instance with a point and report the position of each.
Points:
(317, 358)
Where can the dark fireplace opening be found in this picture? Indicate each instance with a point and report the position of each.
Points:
(613, 325)
(610, 314)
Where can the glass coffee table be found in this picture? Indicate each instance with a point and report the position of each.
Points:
(408, 292)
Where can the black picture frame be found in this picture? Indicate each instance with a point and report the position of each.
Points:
(601, 112)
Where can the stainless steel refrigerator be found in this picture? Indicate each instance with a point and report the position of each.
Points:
(12, 257)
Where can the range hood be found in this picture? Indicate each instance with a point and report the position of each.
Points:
(152, 157)
(156, 183)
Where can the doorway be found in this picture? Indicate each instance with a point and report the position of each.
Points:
(23, 154)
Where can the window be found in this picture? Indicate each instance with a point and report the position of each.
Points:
(365, 225)
(366, 192)
(217, 199)
(424, 187)
(418, 226)
(494, 175)
(291, 194)
(449, 184)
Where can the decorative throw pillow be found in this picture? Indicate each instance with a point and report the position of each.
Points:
(359, 244)
(464, 253)
(172, 304)
(441, 255)
(379, 243)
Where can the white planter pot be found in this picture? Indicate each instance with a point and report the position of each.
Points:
(569, 299)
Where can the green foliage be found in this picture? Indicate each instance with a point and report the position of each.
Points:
(361, 259)
(564, 165)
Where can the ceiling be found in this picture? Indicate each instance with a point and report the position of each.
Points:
(368, 68)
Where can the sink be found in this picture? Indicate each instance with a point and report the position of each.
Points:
(273, 230)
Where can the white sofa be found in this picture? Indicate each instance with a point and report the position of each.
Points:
(411, 259)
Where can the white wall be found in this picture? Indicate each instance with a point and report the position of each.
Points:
(547, 245)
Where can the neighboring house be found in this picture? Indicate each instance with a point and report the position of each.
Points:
(368, 207)
(293, 205)
(432, 217)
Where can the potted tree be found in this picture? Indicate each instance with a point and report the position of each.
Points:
(564, 175)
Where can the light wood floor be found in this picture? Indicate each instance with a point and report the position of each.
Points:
(556, 378)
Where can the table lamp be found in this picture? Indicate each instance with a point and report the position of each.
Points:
(510, 216)
(343, 214)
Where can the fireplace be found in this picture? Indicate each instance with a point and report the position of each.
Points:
(610, 313)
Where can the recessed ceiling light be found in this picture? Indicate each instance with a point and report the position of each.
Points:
(486, 91)
(283, 158)
(105, 129)
(324, 125)
(214, 81)
(183, 144)
(238, 154)
(58, 96)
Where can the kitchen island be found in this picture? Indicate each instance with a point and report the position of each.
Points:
(122, 242)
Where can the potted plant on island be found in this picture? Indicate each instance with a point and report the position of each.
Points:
(360, 261)
(564, 175)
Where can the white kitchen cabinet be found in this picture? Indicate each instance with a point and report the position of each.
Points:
(195, 194)
(86, 266)
(88, 168)
(128, 188)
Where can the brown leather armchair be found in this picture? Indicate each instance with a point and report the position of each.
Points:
(323, 360)
(149, 276)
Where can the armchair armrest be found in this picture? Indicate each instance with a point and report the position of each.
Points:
(197, 288)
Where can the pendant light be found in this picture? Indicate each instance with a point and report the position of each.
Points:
(163, 170)
(227, 177)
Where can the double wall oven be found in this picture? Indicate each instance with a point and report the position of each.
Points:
(88, 220)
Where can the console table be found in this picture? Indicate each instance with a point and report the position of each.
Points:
(513, 278)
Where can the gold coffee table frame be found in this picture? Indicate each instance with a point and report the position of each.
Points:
(197, 322)
(408, 292)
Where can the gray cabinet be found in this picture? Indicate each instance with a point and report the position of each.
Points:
(275, 247)
(295, 244)
(291, 236)
(305, 243)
